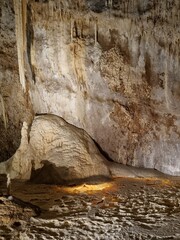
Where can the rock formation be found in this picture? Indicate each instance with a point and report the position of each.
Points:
(15, 106)
(109, 67)
(53, 151)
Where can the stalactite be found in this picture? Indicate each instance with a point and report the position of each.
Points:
(60, 14)
(20, 7)
(59, 4)
(174, 16)
(110, 3)
(47, 12)
(127, 9)
(75, 30)
(166, 81)
(51, 8)
(164, 13)
(82, 34)
(130, 7)
(95, 31)
(72, 25)
(63, 14)
(133, 5)
(168, 15)
(5, 119)
(158, 9)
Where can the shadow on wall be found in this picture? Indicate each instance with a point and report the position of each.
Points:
(8, 144)
(104, 153)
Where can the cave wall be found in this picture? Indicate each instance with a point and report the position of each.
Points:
(15, 106)
(109, 67)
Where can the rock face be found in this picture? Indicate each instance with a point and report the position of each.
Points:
(15, 106)
(109, 67)
(56, 152)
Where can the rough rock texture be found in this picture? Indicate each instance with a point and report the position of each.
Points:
(14, 211)
(56, 152)
(123, 209)
(109, 67)
(14, 105)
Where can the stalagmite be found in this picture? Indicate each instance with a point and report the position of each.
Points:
(8, 184)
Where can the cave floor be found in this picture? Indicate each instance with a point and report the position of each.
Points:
(126, 208)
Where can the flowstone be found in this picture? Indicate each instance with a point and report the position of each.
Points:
(56, 152)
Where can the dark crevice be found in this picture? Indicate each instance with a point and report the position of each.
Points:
(105, 154)
(8, 145)
(97, 6)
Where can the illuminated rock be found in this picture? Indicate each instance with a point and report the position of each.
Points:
(57, 152)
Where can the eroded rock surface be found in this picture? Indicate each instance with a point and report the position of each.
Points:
(13, 211)
(125, 209)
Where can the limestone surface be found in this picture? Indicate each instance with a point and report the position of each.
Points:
(112, 68)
